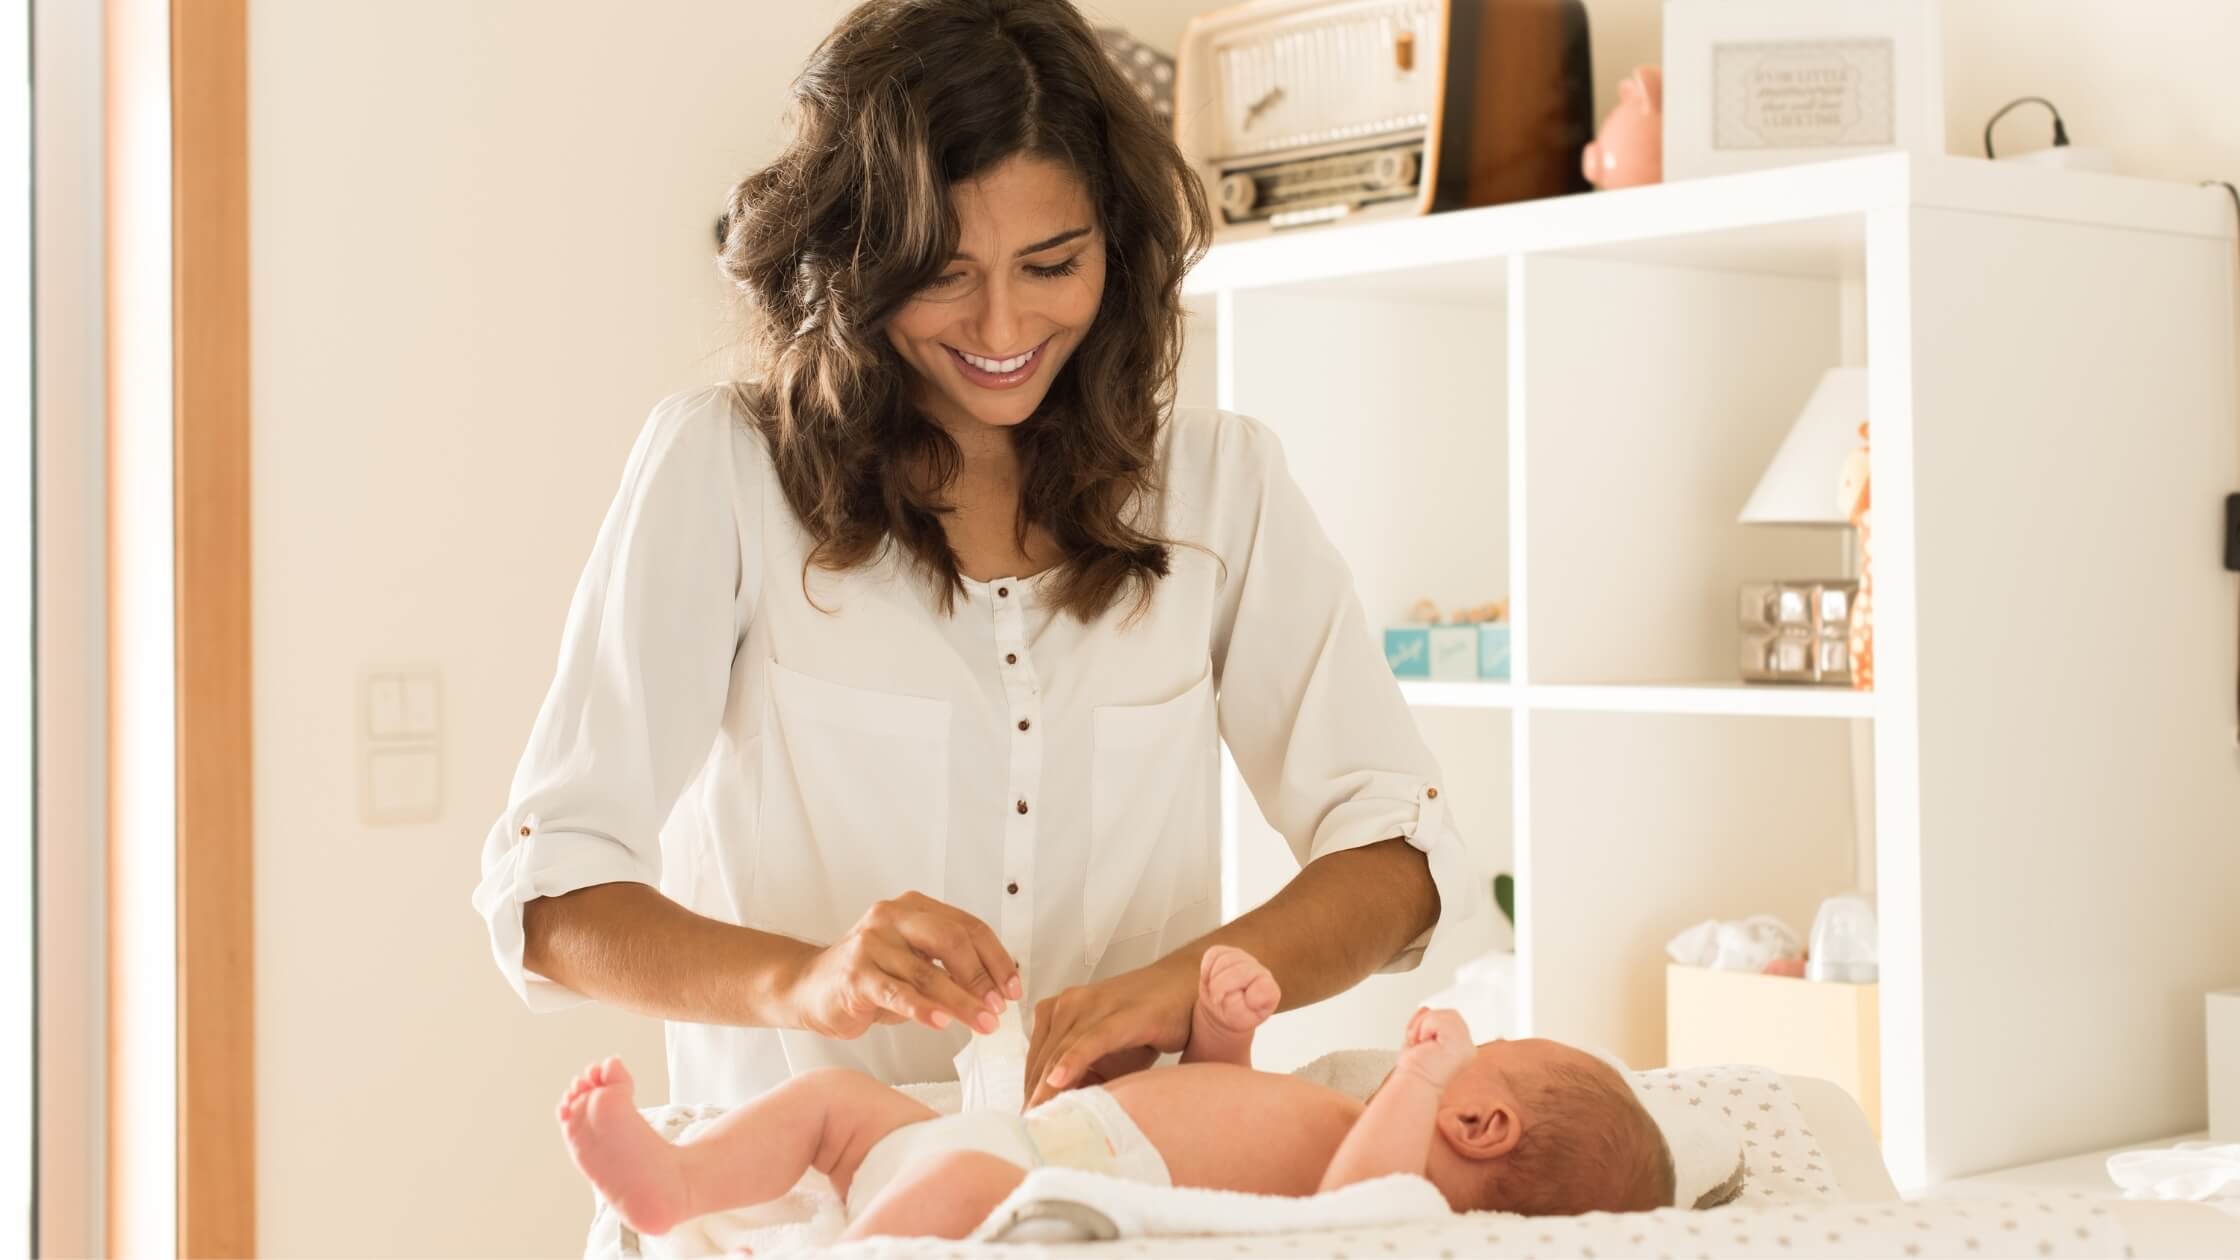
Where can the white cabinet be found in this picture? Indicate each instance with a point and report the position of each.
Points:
(1566, 403)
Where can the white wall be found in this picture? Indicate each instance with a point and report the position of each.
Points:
(481, 249)
(483, 244)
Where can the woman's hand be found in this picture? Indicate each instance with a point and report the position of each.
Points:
(1095, 1032)
(883, 972)
(1436, 1046)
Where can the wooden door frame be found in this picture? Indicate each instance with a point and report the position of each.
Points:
(217, 992)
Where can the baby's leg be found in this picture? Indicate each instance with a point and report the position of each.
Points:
(1235, 995)
(825, 1119)
(945, 1197)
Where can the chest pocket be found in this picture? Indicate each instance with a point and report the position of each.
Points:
(1155, 815)
(855, 804)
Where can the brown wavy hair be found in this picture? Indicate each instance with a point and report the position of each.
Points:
(902, 100)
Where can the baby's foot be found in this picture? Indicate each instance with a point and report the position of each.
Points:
(612, 1145)
(1235, 996)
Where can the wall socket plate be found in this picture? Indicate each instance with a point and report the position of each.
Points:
(400, 745)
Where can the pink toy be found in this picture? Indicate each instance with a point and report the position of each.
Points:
(1630, 148)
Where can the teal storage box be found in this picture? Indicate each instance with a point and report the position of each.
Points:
(1407, 649)
(1493, 651)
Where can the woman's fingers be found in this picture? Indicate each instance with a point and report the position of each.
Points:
(1073, 1058)
(1002, 969)
(1049, 1029)
(945, 933)
(936, 997)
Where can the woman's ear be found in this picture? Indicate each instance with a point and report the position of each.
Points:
(1480, 1128)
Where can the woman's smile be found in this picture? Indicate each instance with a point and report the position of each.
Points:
(994, 373)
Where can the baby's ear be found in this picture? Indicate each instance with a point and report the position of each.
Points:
(1480, 1129)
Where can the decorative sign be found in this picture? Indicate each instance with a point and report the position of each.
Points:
(1804, 94)
(1757, 83)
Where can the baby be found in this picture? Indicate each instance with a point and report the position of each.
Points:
(1516, 1126)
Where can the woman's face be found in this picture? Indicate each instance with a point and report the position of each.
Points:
(1027, 278)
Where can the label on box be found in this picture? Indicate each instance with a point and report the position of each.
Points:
(1493, 651)
(1454, 652)
(1407, 649)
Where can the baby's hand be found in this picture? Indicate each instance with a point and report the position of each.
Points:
(1436, 1046)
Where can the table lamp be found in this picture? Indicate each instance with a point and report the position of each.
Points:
(1798, 631)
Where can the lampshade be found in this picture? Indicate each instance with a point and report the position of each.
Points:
(1804, 483)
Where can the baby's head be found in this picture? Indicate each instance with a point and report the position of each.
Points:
(1545, 1129)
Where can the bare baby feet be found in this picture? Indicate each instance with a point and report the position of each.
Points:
(1236, 994)
(612, 1145)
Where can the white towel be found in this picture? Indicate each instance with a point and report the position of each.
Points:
(2190, 1170)
(1072, 1205)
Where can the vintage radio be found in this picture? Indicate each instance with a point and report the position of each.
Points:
(1299, 112)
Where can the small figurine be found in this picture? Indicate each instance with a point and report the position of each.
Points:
(1630, 148)
(1858, 505)
(1424, 612)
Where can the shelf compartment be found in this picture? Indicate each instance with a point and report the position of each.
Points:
(1392, 416)
(1637, 826)
(1655, 396)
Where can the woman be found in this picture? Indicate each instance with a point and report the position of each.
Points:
(898, 665)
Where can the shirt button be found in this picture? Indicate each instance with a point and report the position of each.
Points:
(524, 831)
(1023, 724)
(1002, 591)
(1010, 658)
(1012, 888)
(1433, 793)
(1022, 807)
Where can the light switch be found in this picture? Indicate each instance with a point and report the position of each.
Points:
(403, 785)
(420, 712)
(384, 706)
(400, 749)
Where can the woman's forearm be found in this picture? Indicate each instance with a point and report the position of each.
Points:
(629, 946)
(1339, 919)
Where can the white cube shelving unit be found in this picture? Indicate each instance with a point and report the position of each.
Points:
(1567, 401)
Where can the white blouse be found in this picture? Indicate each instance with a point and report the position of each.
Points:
(781, 752)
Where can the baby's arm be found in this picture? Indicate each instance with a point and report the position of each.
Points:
(1393, 1134)
(1395, 1130)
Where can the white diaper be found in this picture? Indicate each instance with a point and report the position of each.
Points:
(1087, 1128)
(1082, 1128)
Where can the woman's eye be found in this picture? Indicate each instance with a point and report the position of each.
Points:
(1066, 268)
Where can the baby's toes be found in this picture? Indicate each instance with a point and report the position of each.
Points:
(615, 1079)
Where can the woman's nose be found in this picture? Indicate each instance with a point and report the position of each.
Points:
(998, 323)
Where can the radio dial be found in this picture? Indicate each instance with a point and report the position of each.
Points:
(1238, 194)
(1393, 170)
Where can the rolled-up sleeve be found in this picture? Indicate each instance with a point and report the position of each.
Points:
(1312, 715)
(640, 687)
